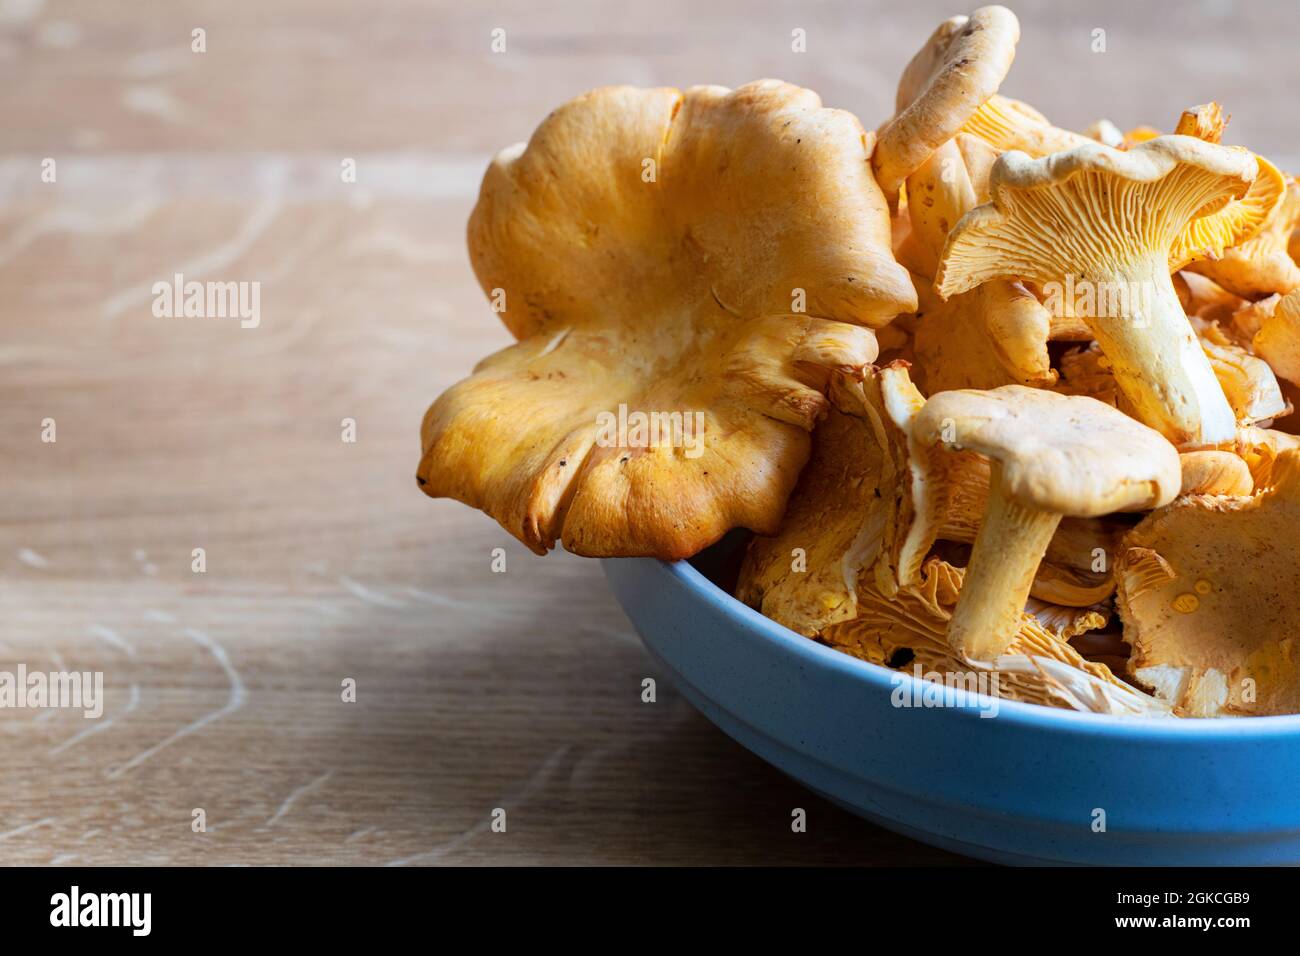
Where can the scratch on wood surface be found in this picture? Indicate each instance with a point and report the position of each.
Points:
(113, 639)
(359, 834)
(156, 101)
(32, 559)
(74, 220)
(293, 796)
(441, 600)
(26, 828)
(132, 703)
(525, 793)
(370, 595)
(204, 264)
(233, 703)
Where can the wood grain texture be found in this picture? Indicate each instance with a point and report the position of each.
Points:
(475, 690)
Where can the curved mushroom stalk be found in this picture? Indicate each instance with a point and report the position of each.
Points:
(1053, 456)
(1158, 361)
(1252, 390)
(1105, 132)
(1008, 550)
(1101, 231)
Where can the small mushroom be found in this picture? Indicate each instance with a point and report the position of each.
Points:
(906, 631)
(1260, 448)
(994, 335)
(1007, 124)
(1205, 122)
(1052, 456)
(1248, 382)
(1118, 223)
(1207, 594)
(805, 577)
(862, 508)
(950, 78)
(1261, 265)
(1085, 371)
(1206, 299)
(945, 497)
(1067, 623)
(1105, 132)
(1278, 339)
(932, 496)
(1215, 473)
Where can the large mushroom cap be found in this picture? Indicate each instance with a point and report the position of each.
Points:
(950, 78)
(1173, 193)
(1066, 454)
(713, 254)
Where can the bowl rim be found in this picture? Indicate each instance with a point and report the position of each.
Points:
(817, 655)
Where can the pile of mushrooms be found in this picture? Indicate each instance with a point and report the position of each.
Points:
(996, 397)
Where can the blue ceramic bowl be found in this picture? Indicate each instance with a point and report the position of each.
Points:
(1029, 785)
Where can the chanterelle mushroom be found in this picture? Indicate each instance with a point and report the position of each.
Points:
(1248, 382)
(1208, 590)
(1053, 455)
(1215, 473)
(950, 78)
(1278, 338)
(657, 253)
(906, 632)
(994, 335)
(806, 576)
(1117, 223)
(1261, 265)
(1007, 124)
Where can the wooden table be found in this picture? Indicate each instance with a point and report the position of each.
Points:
(324, 563)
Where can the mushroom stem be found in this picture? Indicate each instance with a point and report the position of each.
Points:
(1158, 361)
(1007, 552)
